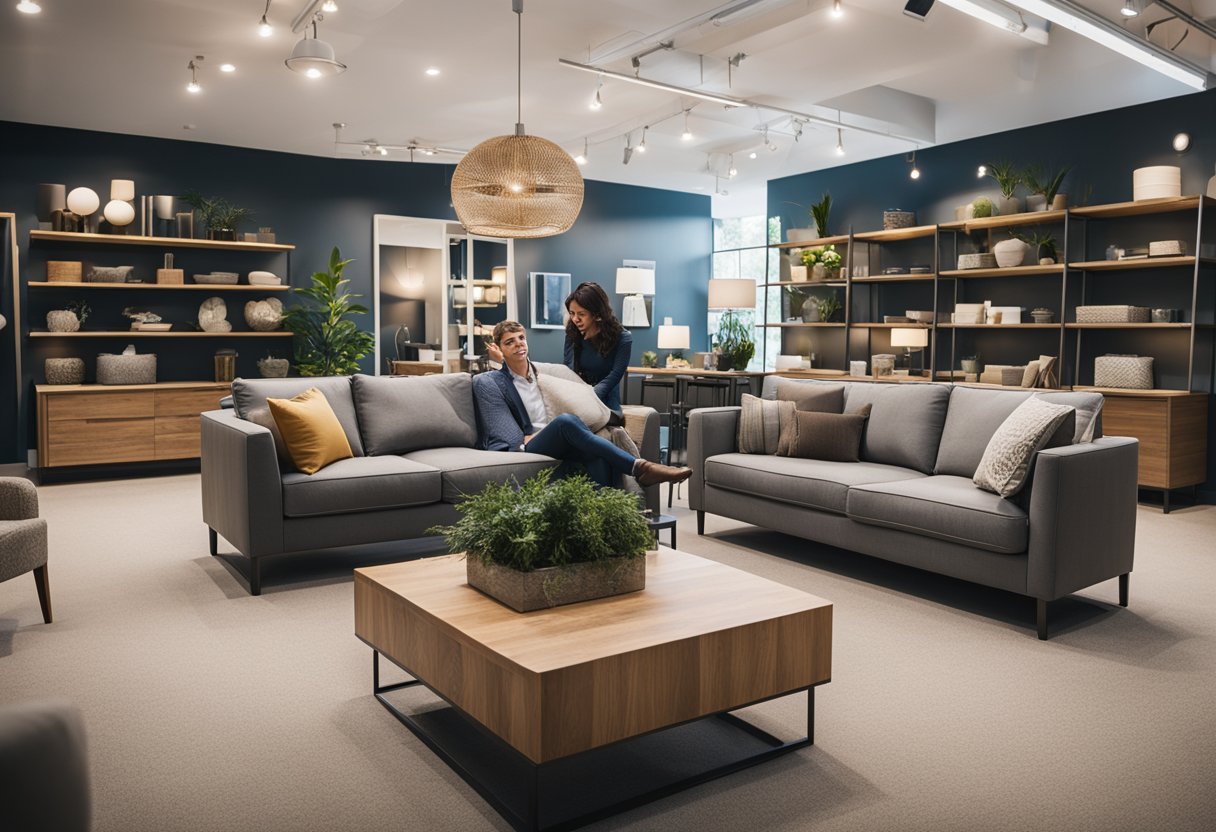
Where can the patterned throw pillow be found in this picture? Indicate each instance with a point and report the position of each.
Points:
(766, 427)
(1024, 432)
(577, 397)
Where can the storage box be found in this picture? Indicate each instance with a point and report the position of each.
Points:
(1009, 314)
(64, 271)
(1130, 372)
(1156, 182)
(1167, 248)
(171, 276)
(126, 369)
(969, 313)
(1113, 315)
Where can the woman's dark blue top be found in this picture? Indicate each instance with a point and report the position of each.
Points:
(603, 371)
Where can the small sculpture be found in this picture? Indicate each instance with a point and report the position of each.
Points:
(213, 316)
(271, 367)
(264, 315)
(142, 317)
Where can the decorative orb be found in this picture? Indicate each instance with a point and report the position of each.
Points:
(83, 201)
(517, 187)
(119, 213)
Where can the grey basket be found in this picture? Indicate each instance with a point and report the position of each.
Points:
(1113, 314)
(126, 369)
(1129, 372)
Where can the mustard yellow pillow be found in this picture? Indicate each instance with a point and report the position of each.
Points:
(310, 430)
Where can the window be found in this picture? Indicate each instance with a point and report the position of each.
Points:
(740, 252)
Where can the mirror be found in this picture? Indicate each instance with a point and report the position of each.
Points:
(431, 282)
(549, 291)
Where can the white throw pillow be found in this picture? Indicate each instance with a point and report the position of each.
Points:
(558, 370)
(1024, 432)
(577, 397)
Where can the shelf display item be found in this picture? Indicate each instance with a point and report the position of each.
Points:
(1167, 248)
(883, 364)
(1005, 315)
(1167, 316)
(84, 202)
(260, 278)
(970, 313)
(264, 315)
(1010, 253)
(1113, 315)
(979, 260)
(143, 320)
(1130, 372)
(788, 362)
(1155, 182)
(62, 320)
(65, 371)
(128, 368)
(168, 275)
(218, 278)
(119, 214)
(225, 364)
(857, 368)
(271, 367)
(51, 198)
(894, 218)
(1042, 315)
(213, 316)
(109, 274)
(64, 271)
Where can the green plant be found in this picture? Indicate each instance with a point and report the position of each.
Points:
(216, 213)
(650, 358)
(1006, 175)
(828, 307)
(827, 255)
(327, 342)
(1043, 242)
(819, 213)
(981, 207)
(1047, 185)
(81, 309)
(542, 524)
(735, 340)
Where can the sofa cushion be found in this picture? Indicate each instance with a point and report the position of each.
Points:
(944, 507)
(467, 470)
(905, 425)
(804, 482)
(405, 413)
(819, 398)
(366, 483)
(829, 436)
(1006, 462)
(250, 393)
(310, 430)
(766, 427)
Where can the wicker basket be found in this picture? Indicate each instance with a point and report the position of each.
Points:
(126, 369)
(1130, 372)
(1113, 315)
(64, 271)
(982, 260)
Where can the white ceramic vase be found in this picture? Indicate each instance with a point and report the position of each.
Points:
(1010, 253)
(1006, 205)
(798, 274)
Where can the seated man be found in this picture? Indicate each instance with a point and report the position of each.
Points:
(511, 417)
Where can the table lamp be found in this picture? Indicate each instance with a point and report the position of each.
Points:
(913, 341)
(673, 338)
(635, 284)
(732, 293)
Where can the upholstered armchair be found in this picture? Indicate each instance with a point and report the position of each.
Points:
(23, 537)
(44, 768)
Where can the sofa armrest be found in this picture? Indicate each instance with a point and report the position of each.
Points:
(1082, 516)
(19, 499)
(242, 487)
(642, 425)
(711, 431)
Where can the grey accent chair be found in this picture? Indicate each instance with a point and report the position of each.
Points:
(44, 768)
(23, 537)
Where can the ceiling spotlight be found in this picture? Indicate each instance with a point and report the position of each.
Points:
(628, 151)
(981, 171)
(839, 142)
(264, 27)
(227, 68)
(687, 134)
(382, 150)
(582, 157)
(193, 86)
(837, 11)
(752, 155)
(732, 171)
(1130, 9)
(1182, 141)
(797, 129)
(314, 57)
(914, 173)
(329, 6)
(28, 7)
(432, 71)
(642, 143)
(596, 101)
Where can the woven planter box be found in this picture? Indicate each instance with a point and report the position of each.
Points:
(126, 369)
(1113, 314)
(556, 585)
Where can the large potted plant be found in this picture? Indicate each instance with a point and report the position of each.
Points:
(327, 341)
(735, 343)
(549, 543)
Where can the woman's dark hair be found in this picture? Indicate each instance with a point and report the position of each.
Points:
(593, 298)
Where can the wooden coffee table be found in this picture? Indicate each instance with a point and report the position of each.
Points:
(551, 687)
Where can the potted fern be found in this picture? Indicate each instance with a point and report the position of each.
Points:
(328, 342)
(548, 543)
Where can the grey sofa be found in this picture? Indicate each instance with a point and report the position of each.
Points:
(413, 440)
(911, 500)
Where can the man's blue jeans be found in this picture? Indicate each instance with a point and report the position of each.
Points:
(568, 439)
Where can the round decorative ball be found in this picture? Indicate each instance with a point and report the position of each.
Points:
(264, 315)
(65, 371)
(119, 213)
(213, 315)
(83, 201)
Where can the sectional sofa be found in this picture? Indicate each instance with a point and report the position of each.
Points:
(413, 440)
(911, 499)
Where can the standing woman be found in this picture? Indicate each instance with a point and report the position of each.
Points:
(598, 347)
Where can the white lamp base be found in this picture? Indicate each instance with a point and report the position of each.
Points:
(633, 311)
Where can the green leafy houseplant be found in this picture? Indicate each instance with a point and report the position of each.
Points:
(1048, 185)
(828, 307)
(1007, 177)
(735, 341)
(981, 207)
(1043, 243)
(328, 342)
(219, 215)
(827, 256)
(650, 358)
(820, 211)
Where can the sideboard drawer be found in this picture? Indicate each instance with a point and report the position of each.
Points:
(188, 402)
(75, 406)
(94, 441)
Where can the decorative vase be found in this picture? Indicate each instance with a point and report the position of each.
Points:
(65, 371)
(798, 274)
(1010, 253)
(62, 320)
(1036, 203)
(724, 361)
(227, 234)
(810, 310)
(556, 585)
(971, 366)
(1059, 202)
(819, 272)
(1006, 205)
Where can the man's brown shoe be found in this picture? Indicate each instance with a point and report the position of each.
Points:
(652, 473)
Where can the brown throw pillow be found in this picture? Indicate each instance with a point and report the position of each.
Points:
(310, 429)
(810, 395)
(766, 427)
(834, 437)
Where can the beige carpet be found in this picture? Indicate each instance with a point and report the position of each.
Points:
(208, 709)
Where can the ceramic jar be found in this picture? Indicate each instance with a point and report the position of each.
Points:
(62, 320)
(1010, 253)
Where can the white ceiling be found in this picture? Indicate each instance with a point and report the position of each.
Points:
(120, 66)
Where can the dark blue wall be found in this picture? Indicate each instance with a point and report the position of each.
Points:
(317, 203)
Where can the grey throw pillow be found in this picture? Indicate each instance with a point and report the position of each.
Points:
(766, 427)
(820, 398)
(1006, 461)
(576, 397)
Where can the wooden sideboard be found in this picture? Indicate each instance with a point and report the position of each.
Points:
(95, 424)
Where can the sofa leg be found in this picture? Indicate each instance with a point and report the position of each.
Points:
(700, 522)
(1124, 584)
(255, 576)
(214, 540)
(1041, 618)
(44, 592)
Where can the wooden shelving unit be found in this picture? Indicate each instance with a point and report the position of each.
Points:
(161, 242)
(904, 325)
(801, 324)
(1144, 207)
(892, 235)
(1011, 271)
(837, 240)
(166, 287)
(1134, 263)
(134, 333)
(1005, 221)
(1129, 326)
(894, 278)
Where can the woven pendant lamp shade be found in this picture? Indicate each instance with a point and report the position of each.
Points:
(517, 186)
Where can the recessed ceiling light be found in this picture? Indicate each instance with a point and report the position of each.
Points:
(432, 71)
(1181, 142)
(227, 67)
(752, 155)
(189, 126)
(313, 73)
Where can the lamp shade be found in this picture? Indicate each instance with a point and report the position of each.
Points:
(51, 198)
(913, 338)
(631, 281)
(83, 201)
(673, 337)
(517, 187)
(732, 293)
(314, 58)
(123, 189)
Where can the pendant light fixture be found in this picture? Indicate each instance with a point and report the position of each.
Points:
(517, 186)
(314, 57)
